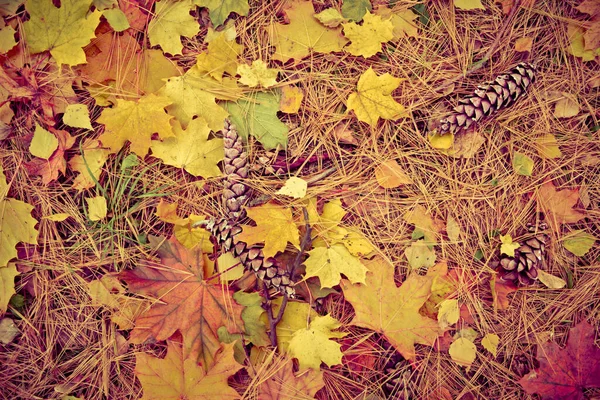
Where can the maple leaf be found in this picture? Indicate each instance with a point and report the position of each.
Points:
(312, 345)
(220, 9)
(393, 311)
(49, 169)
(328, 263)
(178, 376)
(189, 100)
(508, 247)
(257, 74)
(295, 317)
(559, 205)
(191, 150)
(187, 303)
(303, 34)
(403, 21)
(136, 122)
(283, 383)
(425, 226)
(254, 328)
(258, 117)
(7, 39)
(221, 54)
(16, 223)
(7, 283)
(171, 20)
(373, 99)
(64, 30)
(275, 227)
(355, 10)
(564, 373)
(92, 160)
(366, 39)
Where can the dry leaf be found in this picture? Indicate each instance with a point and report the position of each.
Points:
(551, 281)
(566, 107)
(490, 343)
(547, 147)
(366, 39)
(523, 44)
(390, 174)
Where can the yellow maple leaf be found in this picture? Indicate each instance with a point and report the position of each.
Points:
(312, 345)
(43, 143)
(295, 317)
(291, 99)
(64, 30)
(135, 121)
(257, 74)
(221, 55)
(366, 39)
(403, 21)
(328, 263)
(373, 99)
(303, 35)
(508, 247)
(92, 160)
(275, 227)
(7, 284)
(171, 20)
(191, 150)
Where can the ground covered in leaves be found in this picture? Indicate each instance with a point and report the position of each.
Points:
(111, 158)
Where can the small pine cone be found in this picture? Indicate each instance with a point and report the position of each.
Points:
(528, 259)
(235, 191)
(488, 98)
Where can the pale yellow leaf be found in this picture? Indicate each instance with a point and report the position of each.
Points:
(551, 281)
(469, 4)
(291, 99)
(294, 187)
(313, 345)
(171, 20)
(77, 116)
(490, 343)
(390, 174)
(419, 255)
(8, 330)
(96, 208)
(566, 107)
(329, 263)
(259, 74)
(453, 229)
(508, 247)
(579, 243)
(547, 147)
(7, 39)
(57, 217)
(463, 352)
(43, 143)
(331, 18)
(523, 44)
(448, 313)
(366, 39)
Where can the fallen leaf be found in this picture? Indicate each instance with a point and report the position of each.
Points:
(259, 74)
(96, 208)
(579, 243)
(559, 205)
(117, 19)
(221, 55)
(43, 143)
(344, 135)
(547, 147)
(468, 4)
(442, 287)
(564, 373)
(566, 107)
(7, 39)
(77, 116)
(466, 145)
(366, 39)
(331, 18)
(403, 21)
(294, 187)
(453, 229)
(171, 20)
(390, 174)
(329, 263)
(355, 10)
(275, 227)
(296, 316)
(220, 9)
(8, 330)
(49, 169)
(92, 160)
(591, 37)
(419, 255)
(257, 116)
(463, 352)
(490, 342)
(178, 375)
(136, 122)
(303, 35)
(57, 217)
(373, 99)
(291, 99)
(7, 281)
(523, 44)
(393, 311)
(254, 327)
(187, 303)
(577, 45)
(282, 383)
(440, 142)
(508, 247)
(551, 281)
(64, 31)
(522, 164)
(507, 4)
(448, 313)
(312, 345)
(191, 149)
(500, 291)
(591, 7)
(425, 225)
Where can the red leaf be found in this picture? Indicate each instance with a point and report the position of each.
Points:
(564, 373)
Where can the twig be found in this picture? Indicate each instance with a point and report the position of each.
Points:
(306, 242)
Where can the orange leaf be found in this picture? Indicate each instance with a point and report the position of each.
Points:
(559, 205)
(393, 311)
(500, 291)
(186, 302)
(49, 169)
(178, 376)
(389, 175)
(282, 383)
(523, 44)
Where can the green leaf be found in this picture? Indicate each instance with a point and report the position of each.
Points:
(220, 9)
(478, 255)
(421, 10)
(355, 10)
(254, 327)
(257, 116)
(579, 243)
(522, 164)
(117, 19)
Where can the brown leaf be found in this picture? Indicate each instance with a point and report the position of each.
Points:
(185, 301)
(559, 205)
(564, 373)
(390, 174)
(523, 44)
(283, 383)
(500, 291)
(49, 169)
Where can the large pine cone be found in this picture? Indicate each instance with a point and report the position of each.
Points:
(488, 98)
(225, 230)
(529, 258)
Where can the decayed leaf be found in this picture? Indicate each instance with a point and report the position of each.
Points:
(419, 255)
(328, 263)
(393, 311)
(275, 227)
(8, 330)
(403, 21)
(469, 4)
(312, 345)
(191, 150)
(425, 226)
(355, 10)
(294, 187)
(500, 291)
(220, 9)
(283, 383)
(96, 208)
(522, 164)
(258, 117)
(465, 146)
(566, 107)
(508, 247)
(373, 99)
(560, 205)
(547, 146)
(577, 44)
(331, 18)
(171, 20)
(453, 229)
(16, 223)
(303, 34)
(564, 373)
(92, 160)
(463, 351)
(178, 375)
(551, 281)
(7, 280)
(507, 4)
(136, 122)
(390, 174)
(63, 31)
(77, 116)
(259, 74)
(490, 342)
(523, 44)
(187, 303)
(291, 99)
(579, 243)
(43, 143)
(221, 55)
(366, 39)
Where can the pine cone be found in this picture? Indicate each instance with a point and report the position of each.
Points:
(488, 98)
(226, 229)
(523, 267)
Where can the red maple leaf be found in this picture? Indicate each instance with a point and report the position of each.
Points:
(564, 373)
(186, 302)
